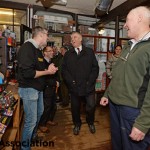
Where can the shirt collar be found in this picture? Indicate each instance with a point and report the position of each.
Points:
(142, 39)
(80, 47)
(134, 42)
(48, 60)
(33, 42)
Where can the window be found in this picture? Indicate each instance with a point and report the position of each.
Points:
(12, 19)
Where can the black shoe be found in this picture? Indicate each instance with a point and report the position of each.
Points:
(76, 130)
(92, 128)
(64, 105)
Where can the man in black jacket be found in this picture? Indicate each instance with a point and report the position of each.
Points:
(80, 70)
(49, 93)
(57, 61)
(31, 72)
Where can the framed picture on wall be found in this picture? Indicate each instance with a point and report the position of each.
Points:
(89, 42)
(57, 41)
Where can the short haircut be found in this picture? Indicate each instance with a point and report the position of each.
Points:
(65, 47)
(37, 29)
(45, 48)
(75, 32)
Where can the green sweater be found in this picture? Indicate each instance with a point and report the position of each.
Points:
(130, 84)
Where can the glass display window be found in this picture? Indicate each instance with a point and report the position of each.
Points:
(12, 19)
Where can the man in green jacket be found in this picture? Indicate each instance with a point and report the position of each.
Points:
(129, 91)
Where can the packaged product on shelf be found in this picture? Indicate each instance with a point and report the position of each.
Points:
(2, 128)
(8, 112)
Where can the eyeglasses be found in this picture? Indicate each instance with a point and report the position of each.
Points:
(48, 51)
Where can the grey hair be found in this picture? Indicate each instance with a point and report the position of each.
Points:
(37, 29)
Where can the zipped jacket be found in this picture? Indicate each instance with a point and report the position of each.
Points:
(130, 84)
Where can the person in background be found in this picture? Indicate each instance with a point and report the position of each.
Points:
(63, 87)
(31, 79)
(57, 61)
(49, 94)
(128, 93)
(79, 71)
(112, 60)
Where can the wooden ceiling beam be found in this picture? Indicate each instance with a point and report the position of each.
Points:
(23, 6)
(121, 11)
(13, 5)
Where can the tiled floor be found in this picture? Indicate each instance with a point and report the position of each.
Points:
(63, 138)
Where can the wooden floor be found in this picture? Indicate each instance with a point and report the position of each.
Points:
(63, 138)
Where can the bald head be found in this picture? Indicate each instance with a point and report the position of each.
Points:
(142, 12)
(138, 22)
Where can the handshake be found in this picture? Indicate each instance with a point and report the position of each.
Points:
(52, 69)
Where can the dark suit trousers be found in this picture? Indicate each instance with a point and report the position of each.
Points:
(64, 93)
(90, 108)
(50, 108)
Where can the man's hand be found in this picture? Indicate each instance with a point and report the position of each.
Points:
(104, 101)
(52, 69)
(57, 84)
(136, 134)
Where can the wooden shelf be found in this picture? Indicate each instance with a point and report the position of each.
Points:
(3, 54)
(10, 135)
(13, 130)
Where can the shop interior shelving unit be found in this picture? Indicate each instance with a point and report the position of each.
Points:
(103, 47)
(3, 55)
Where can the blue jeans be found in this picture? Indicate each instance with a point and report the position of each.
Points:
(122, 119)
(33, 109)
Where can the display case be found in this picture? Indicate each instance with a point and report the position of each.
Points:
(3, 55)
(103, 47)
(11, 113)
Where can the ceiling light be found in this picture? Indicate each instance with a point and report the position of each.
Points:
(4, 26)
(102, 31)
(6, 13)
(9, 22)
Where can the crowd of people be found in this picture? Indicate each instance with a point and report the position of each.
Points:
(46, 73)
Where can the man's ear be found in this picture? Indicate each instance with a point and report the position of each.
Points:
(140, 17)
(80, 39)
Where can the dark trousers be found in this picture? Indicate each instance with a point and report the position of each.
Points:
(122, 119)
(90, 108)
(50, 108)
(64, 94)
